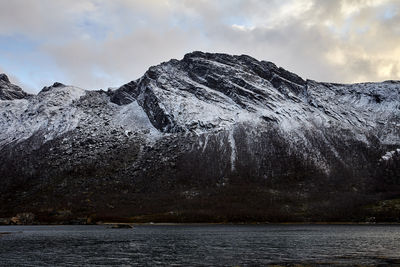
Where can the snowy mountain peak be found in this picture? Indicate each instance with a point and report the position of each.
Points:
(9, 91)
(55, 85)
(263, 69)
(205, 90)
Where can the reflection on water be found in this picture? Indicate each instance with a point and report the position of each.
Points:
(212, 245)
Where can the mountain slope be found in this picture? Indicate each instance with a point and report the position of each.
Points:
(211, 137)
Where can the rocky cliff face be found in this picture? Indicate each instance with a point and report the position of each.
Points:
(211, 137)
(9, 91)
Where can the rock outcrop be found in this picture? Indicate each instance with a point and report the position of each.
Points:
(9, 91)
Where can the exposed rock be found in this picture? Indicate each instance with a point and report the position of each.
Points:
(121, 226)
(9, 91)
(23, 218)
(4, 78)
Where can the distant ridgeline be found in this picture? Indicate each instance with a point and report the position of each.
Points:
(209, 138)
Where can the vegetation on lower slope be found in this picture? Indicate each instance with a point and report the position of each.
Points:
(177, 181)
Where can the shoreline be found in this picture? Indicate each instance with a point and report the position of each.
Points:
(208, 223)
(256, 223)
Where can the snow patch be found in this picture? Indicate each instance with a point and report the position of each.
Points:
(232, 143)
(390, 154)
(133, 118)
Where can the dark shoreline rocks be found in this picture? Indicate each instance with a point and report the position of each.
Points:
(25, 218)
(121, 226)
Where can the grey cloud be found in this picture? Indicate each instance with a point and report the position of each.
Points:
(124, 59)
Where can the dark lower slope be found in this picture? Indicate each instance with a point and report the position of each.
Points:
(189, 178)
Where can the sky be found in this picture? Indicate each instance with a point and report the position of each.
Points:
(97, 44)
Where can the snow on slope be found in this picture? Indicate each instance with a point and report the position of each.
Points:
(390, 154)
(51, 112)
(133, 119)
(362, 107)
(59, 109)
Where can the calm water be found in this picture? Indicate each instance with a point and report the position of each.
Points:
(211, 245)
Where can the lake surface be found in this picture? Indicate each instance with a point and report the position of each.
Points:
(199, 245)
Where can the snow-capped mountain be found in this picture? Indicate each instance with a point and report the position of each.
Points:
(193, 139)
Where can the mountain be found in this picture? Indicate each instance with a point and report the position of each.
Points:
(209, 138)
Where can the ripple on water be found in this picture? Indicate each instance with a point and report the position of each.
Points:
(216, 245)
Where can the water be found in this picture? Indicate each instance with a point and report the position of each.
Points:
(191, 245)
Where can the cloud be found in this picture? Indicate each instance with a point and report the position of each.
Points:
(99, 43)
(122, 59)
